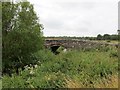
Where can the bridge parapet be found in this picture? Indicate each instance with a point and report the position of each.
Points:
(74, 43)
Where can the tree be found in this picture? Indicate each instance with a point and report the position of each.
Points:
(106, 37)
(22, 35)
(8, 10)
(99, 37)
(114, 37)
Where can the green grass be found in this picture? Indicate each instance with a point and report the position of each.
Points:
(107, 41)
(84, 67)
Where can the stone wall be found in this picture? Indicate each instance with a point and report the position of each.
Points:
(76, 44)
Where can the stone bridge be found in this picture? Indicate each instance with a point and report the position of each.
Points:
(75, 44)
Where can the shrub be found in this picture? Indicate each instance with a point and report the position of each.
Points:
(85, 67)
(19, 48)
(114, 54)
(22, 35)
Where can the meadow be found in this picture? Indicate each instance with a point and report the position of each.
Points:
(88, 68)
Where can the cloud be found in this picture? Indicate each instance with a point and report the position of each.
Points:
(77, 17)
(76, 5)
(53, 24)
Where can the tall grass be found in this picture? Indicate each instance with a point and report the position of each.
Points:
(54, 71)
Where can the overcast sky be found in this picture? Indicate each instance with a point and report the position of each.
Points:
(77, 17)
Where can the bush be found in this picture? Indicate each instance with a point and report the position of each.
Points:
(53, 70)
(19, 49)
(114, 54)
(22, 35)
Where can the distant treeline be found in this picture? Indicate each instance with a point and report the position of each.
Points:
(98, 37)
(107, 37)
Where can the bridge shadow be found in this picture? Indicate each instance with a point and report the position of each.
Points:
(54, 49)
(54, 46)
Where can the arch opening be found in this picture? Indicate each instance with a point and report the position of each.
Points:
(54, 49)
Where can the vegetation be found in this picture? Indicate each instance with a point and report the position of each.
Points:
(82, 68)
(22, 35)
(27, 64)
(113, 37)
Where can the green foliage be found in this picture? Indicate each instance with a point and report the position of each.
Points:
(60, 49)
(86, 67)
(99, 37)
(22, 36)
(113, 53)
(44, 55)
(23, 46)
(8, 13)
(107, 37)
(40, 77)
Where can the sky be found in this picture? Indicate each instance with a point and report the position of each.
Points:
(77, 17)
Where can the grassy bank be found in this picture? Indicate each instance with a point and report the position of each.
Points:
(69, 69)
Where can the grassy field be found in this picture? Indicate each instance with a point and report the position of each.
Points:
(71, 69)
(106, 41)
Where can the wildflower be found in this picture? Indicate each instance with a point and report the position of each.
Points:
(64, 50)
(31, 72)
(48, 78)
(35, 66)
(28, 68)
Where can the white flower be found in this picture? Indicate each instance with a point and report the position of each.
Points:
(35, 66)
(28, 68)
(31, 72)
(48, 78)
(64, 50)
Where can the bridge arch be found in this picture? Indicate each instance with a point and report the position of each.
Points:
(54, 48)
